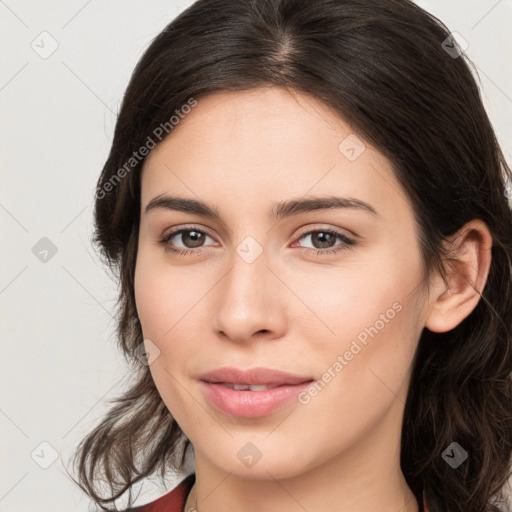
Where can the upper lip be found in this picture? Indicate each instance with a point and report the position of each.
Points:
(253, 376)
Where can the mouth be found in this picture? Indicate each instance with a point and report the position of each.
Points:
(253, 392)
(253, 377)
(247, 387)
(251, 400)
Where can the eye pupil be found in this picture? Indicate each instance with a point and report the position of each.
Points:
(325, 238)
(197, 238)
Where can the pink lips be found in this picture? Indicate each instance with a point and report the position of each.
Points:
(247, 403)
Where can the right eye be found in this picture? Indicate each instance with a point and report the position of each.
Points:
(190, 237)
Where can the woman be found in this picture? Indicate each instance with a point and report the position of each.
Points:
(305, 203)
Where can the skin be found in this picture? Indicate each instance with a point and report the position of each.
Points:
(291, 308)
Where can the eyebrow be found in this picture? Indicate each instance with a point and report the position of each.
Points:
(278, 211)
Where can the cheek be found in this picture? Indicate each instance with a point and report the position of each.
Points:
(369, 290)
(170, 304)
(366, 324)
(363, 370)
(164, 297)
(165, 305)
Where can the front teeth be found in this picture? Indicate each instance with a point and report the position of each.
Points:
(245, 387)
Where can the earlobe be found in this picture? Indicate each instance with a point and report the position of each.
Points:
(467, 269)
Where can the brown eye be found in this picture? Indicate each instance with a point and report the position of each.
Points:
(324, 241)
(191, 240)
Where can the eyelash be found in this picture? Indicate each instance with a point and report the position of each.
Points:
(348, 243)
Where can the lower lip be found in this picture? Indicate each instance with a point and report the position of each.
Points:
(251, 404)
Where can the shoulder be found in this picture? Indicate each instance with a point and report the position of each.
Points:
(173, 501)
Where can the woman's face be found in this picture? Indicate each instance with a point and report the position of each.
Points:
(332, 295)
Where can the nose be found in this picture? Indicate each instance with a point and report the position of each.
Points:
(250, 301)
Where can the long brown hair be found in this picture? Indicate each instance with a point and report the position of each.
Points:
(386, 68)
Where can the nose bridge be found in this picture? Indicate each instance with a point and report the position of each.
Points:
(247, 302)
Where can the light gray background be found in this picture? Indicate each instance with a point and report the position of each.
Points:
(59, 363)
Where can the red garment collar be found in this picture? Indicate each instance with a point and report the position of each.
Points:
(173, 501)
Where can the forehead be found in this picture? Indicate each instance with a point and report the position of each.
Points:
(244, 120)
(268, 143)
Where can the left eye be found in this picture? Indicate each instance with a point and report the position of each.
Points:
(325, 238)
(196, 236)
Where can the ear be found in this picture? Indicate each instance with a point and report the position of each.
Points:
(467, 270)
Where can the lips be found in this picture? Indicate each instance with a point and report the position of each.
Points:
(251, 393)
(253, 377)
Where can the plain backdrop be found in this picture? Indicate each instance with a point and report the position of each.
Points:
(59, 363)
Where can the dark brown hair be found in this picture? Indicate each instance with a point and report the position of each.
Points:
(383, 66)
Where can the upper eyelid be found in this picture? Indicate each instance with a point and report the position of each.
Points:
(176, 231)
(337, 230)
